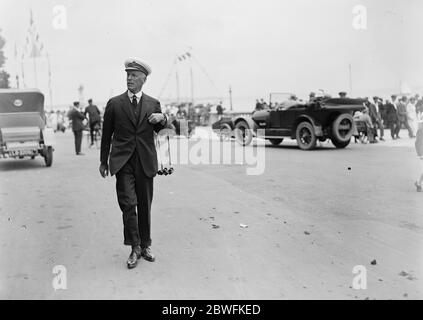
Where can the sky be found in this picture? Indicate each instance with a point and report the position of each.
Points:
(252, 47)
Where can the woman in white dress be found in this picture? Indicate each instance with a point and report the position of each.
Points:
(411, 115)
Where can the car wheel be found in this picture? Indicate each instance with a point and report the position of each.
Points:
(306, 138)
(339, 144)
(343, 128)
(48, 156)
(225, 132)
(243, 133)
(275, 142)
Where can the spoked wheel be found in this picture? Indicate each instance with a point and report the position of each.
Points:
(243, 133)
(306, 138)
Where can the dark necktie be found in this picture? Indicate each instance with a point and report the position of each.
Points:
(135, 104)
(134, 101)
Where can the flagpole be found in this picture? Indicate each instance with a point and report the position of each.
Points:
(230, 97)
(49, 82)
(17, 67)
(23, 74)
(192, 81)
(177, 82)
(35, 72)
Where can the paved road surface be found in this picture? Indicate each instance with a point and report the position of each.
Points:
(311, 217)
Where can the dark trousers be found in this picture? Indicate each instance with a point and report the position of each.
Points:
(78, 140)
(135, 194)
(92, 125)
(394, 127)
(378, 123)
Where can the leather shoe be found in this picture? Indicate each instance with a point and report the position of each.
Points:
(147, 254)
(133, 257)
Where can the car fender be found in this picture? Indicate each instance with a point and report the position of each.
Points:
(251, 124)
(48, 137)
(317, 127)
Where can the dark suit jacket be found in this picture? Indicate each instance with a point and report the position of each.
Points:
(391, 112)
(93, 113)
(124, 135)
(373, 112)
(76, 117)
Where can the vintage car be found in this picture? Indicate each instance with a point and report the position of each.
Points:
(324, 118)
(23, 131)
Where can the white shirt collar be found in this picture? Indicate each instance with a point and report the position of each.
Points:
(138, 95)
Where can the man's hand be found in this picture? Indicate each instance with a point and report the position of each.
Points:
(155, 118)
(104, 170)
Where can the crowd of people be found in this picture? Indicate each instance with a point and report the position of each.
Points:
(199, 114)
(393, 114)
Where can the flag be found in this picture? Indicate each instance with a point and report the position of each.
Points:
(33, 44)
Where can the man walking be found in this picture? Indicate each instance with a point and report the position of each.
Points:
(77, 117)
(402, 117)
(374, 110)
(392, 116)
(129, 122)
(94, 118)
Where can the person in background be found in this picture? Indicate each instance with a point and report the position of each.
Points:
(392, 116)
(93, 117)
(419, 107)
(382, 112)
(419, 150)
(342, 94)
(219, 110)
(258, 105)
(370, 129)
(374, 112)
(60, 121)
(411, 114)
(77, 118)
(402, 117)
(311, 97)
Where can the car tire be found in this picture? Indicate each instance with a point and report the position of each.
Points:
(276, 142)
(305, 135)
(225, 132)
(340, 144)
(243, 133)
(48, 156)
(338, 133)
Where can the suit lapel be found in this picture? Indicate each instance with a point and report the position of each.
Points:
(144, 107)
(128, 108)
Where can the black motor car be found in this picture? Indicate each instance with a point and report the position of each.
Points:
(324, 118)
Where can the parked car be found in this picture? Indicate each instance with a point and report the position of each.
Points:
(23, 130)
(324, 118)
